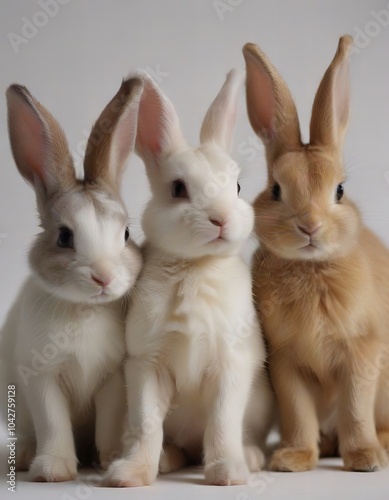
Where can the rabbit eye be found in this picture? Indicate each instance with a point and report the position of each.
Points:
(179, 190)
(126, 234)
(65, 238)
(276, 192)
(238, 188)
(339, 192)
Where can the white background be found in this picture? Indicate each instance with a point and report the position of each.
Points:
(74, 64)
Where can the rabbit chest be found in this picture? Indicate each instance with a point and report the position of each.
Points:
(80, 344)
(314, 313)
(200, 322)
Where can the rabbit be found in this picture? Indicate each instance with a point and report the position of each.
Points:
(321, 279)
(63, 343)
(195, 349)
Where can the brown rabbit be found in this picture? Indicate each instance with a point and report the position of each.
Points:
(321, 279)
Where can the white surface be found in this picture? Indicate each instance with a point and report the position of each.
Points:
(328, 482)
(74, 65)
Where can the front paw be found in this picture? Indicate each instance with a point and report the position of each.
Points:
(368, 459)
(126, 473)
(293, 459)
(52, 469)
(227, 473)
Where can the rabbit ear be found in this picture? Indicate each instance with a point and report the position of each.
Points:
(219, 122)
(271, 110)
(112, 138)
(159, 131)
(331, 106)
(38, 143)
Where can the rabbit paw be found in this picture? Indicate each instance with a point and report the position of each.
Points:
(293, 459)
(172, 459)
(255, 458)
(227, 473)
(52, 469)
(365, 459)
(125, 473)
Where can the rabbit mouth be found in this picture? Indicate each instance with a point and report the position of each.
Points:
(219, 240)
(310, 247)
(102, 296)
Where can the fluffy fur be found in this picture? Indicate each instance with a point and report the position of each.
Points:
(321, 279)
(195, 348)
(63, 342)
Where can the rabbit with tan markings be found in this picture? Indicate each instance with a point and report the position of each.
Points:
(195, 348)
(63, 342)
(321, 279)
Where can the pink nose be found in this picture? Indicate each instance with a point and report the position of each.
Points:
(310, 230)
(216, 222)
(101, 281)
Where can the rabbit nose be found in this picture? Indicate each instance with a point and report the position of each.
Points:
(101, 281)
(216, 222)
(310, 230)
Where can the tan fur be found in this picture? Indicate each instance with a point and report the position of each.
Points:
(325, 313)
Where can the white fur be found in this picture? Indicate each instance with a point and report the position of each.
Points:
(195, 348)
(63, 357)
(63, 342)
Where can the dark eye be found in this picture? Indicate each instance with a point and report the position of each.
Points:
(126, 234)
(65, 238)
(339, 192)
(179, 190)
(238, 188)
(276, 192)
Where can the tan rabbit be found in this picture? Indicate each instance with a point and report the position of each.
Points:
(321, 279)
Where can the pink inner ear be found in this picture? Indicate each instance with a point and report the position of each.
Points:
(341, 98)
(29, 143)
(124, 138)
(260, 88)
(151, 122)
(229, 129)
(34, 144)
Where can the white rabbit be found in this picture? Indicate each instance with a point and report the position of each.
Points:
(194, 342)
(63, 342)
